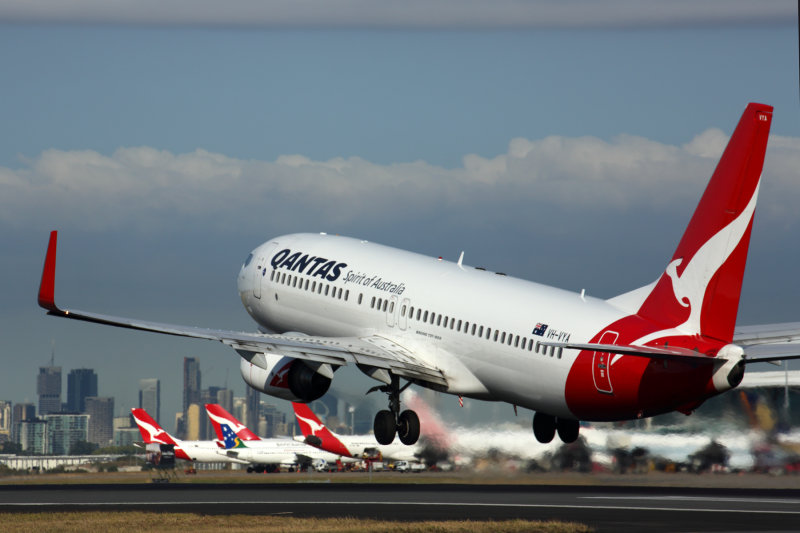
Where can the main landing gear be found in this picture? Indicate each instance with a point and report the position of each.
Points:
(545, 427)
(391, 422)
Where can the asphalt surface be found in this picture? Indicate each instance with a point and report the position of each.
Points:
(604, 508)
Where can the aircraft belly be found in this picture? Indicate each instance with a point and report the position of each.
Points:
(536, 384)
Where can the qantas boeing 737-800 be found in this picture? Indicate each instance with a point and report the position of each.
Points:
(399, 315)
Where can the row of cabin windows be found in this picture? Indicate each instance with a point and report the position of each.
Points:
(387, 306)
(308, 285)
(464, 326)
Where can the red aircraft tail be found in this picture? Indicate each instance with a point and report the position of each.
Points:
(219, 416)
(699, 290)
(316, 433)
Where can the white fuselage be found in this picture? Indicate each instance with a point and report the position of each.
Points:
(203, 451)
(278, 451)
(478, 326)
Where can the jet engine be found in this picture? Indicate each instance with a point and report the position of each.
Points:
(285, 377)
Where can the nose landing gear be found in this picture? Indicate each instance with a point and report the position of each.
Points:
(391, 422)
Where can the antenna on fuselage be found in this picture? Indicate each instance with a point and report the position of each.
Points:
(461, 257)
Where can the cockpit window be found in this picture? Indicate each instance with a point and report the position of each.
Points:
(247, 261)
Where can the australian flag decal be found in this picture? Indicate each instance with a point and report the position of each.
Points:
(540, 329)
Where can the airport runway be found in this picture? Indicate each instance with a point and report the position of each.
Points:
(604, 508)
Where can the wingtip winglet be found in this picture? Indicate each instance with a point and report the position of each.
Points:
(47, 287)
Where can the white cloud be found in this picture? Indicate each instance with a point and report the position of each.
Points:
(410, 14)
(149, 188)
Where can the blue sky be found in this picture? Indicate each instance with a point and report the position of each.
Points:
(553, 148)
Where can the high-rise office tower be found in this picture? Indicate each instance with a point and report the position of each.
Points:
(101, 419)
(150, 396)
(253, 409)
(225, 399)
(81, 383)
(6, 421)
(191, 382)
(20, 412)
(64, 430)
(48, 387)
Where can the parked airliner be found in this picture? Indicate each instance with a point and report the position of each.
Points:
(264, 454)
(317, 434)
(200, 451)
(325, 301)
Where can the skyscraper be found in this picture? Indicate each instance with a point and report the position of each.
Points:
(101, 420)
(191, 382)
(191, 393)
(6, 421)
(225, 399)
(253, 408)
(48, 387)
(64, 430)
(150, 396)
(81, 383)
(20, 412)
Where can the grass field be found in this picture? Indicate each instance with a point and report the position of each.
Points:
(135, 522)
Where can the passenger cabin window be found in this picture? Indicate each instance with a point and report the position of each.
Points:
(360, 297)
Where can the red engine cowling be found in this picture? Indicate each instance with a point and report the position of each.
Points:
(284, 377)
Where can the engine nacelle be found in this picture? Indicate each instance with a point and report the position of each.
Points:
(730, 374)
(284, 377)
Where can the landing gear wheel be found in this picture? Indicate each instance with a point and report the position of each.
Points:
(568, 430)
(385, 427)
(408, 427)
(544, 427)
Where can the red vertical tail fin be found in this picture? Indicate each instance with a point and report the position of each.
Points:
(218, 416)
(149, 428)
(316, 433)
(699, 290)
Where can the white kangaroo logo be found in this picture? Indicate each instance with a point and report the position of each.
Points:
(313, 424)
(690, 286)
(155, 433)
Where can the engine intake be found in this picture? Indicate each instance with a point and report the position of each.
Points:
(283, 377)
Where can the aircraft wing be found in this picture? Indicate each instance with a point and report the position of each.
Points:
(771, 379)
(768, 343)
(786, 332)
(371, 351)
